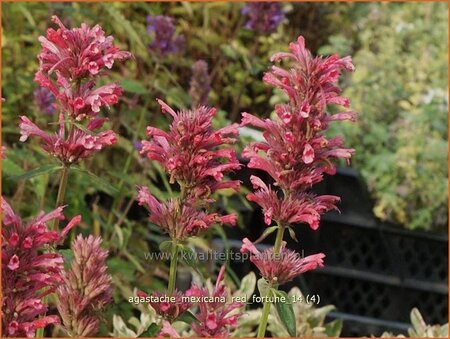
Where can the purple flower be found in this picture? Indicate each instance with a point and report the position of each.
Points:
(29, 273)
(165, 40)
(45, 100)
(263, 17)
(86, 289)
(200, 84)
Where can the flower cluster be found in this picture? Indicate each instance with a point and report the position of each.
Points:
(296, 153)
(165, 41)
(180, 220)
(200, 84)
(27, 273)
(282, 267)
(77, 145)
(86, 288)
(263, 17)
(69, 63)
(191, 151)
(297, 207)
(215, 319)
(192, 154)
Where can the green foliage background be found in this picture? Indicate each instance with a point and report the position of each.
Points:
(399, 90)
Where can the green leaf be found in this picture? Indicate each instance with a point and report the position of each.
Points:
(188, 256)
(67, 256)
(151, 331)
(292, 234)
(248, 285)
(97, 182)
(133, 86)
(122, 268)
(166, 246)
(266, 232)
(286, 313)
(37, 171)
(10, 168)
(263, 287)
(334, 328)
(187, 317)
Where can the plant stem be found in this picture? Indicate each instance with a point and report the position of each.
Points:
(174, 256)
(173, 268)
(61, 192)
(266, 308)
(278, 239)
(264, 317)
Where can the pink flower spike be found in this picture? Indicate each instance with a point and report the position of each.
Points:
(193, 152)
(86, 289)
(283, 267)
(27, 273)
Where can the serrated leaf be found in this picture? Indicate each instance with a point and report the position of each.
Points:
(37, 171)
(151, 331)
(286, 313)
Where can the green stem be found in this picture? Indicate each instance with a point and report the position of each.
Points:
(266, 308)
(61, 192)
(264, 317)
(173, 268)
(278, 239)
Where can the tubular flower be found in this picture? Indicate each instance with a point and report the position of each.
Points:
(191, 151)
(78, 53)
(264, 17)
(165, 41)
(72, 148)
(169, 310)
(200, 84)
(179, 220)
(27, 273)
(76, 56)
(217, 317)
(295, 152)
(293, 208)
(70, 60)
(283, 267)
(86, 289)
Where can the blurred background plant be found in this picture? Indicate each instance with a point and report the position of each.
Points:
(399, 88)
